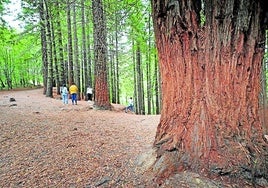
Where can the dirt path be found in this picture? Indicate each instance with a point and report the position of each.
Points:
(47, 144)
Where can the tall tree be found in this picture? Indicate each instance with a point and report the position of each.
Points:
(210, 73)
(84, 48)
(140, 105)
(61, 70)
(70, 43)
(148, 69)
(117, 87)
(49, 83)
(102, 99)
(76, 52)
(157, 88)
(55, 59)
(43, 43)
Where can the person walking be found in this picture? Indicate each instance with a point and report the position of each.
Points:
(64, 94)
(73, 91)
(130, 105)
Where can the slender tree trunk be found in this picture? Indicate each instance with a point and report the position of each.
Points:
(89, 54)
(76, 53)
(49, 87)
(70, 44)
(62, 71)
(90, 64)
(55, 59)
(102, 100)
(140, 87)
(43, 43)
(148, 71)
(117, 87)
(157, 87)
(112, 74)
(149, 85)
(136, 104)
(111, 68)
(84, 49)
(210, 121)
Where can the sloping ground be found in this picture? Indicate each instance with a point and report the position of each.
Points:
(45, 143)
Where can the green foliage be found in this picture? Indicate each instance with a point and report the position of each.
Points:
(19, 60)
(2, 4)
(128, 25)
(202, 17)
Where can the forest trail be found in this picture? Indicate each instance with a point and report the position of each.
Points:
(45, 143)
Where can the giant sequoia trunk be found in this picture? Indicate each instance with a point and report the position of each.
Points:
(210, 74)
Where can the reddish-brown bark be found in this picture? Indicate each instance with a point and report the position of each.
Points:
(102, 99)
(210, 119)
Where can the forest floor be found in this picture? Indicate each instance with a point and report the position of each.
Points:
(45, 143)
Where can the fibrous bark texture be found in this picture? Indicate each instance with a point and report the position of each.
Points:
(102, 99)
(210, 57)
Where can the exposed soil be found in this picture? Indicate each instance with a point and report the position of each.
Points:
(45, 143)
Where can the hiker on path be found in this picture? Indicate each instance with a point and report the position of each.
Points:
(130, 105)
(73, 91)
(64, 94)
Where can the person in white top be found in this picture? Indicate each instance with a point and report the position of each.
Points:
(64, 93)
(89, 93)
(130, 105)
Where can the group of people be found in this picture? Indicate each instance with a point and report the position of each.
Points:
(73, 90)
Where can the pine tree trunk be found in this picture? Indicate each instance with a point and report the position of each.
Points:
(210, 73)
